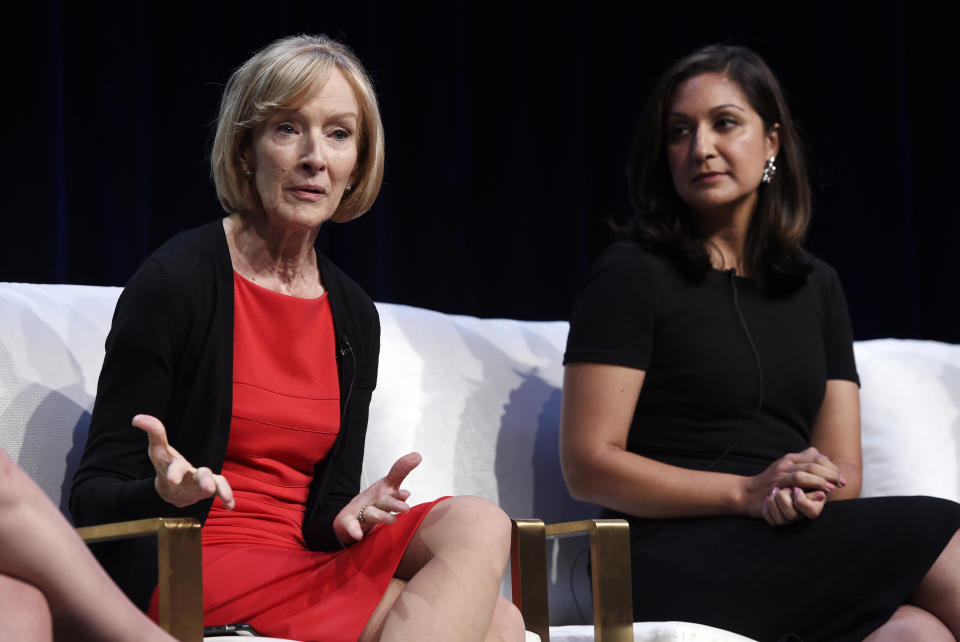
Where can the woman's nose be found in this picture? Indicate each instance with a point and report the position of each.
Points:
(702, 145)
(313, 157)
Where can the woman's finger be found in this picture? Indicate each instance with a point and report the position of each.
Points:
(809, 504)
(177, 469)
(158, 448)
(831, 473)
(401, 468)
(374, 515)
(774, 514)
(154, 428)
(767, 510)
(354, 529)
(803, 479)
(224, 492)
(784, 502)
(205, 481)
(391, 505)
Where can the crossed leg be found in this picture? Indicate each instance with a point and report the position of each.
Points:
(934, 610)
(42, 557)
(448, 581)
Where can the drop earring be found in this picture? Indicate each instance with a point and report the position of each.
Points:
(769, 170)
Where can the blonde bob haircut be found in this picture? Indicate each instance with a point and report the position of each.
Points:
(283, 75)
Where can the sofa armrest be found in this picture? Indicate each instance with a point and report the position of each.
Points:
(180, 579)
(610, 574)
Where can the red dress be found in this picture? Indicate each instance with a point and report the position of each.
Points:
(286, 416)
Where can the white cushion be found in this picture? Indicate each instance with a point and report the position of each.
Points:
(652, 632)
(910, 416)
(531, 637)
(51, 350)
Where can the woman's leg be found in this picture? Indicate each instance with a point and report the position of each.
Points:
(39, 547)
(452, 570)
(911, 624)
(934, 609)
(939, 591)
(24, 614)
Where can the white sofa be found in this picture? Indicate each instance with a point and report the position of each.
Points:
(480, 399)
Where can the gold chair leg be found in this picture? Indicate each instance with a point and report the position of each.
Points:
(610, 560)
(180, 583)
(528, 573)
(612, 589)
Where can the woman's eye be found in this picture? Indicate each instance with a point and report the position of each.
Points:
(676, 132)
(286, 128)
(726, 123)
(340, 134)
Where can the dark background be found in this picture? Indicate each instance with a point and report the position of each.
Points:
(507, 129)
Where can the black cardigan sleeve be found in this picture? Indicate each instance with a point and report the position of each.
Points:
(115, 480)
(168, 354)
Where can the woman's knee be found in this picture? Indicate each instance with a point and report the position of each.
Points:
(911, 624)
(470, 528)
(24, 611)
(482, 520)
(506, 623)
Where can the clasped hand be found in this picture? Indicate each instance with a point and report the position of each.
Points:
(178, 481)
(793, 487)
(379, 503)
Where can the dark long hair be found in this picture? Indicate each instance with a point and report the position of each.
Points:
(773, 253)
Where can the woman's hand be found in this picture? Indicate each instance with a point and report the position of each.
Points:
(177, 481)
(787, 505)
(378, 503)
(772, 491)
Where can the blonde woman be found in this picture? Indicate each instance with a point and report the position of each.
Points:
(247, 361)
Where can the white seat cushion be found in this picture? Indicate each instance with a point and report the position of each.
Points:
(651, 632)
(910, 415)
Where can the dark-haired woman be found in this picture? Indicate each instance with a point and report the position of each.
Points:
(711, 396)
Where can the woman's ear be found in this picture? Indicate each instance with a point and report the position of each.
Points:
(246, 162)
(772, 142)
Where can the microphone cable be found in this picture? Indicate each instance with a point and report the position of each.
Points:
(756, 357)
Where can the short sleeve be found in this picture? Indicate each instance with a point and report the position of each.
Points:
(614, 315)
(838, 333)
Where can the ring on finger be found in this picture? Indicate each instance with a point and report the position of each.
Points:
(360, 514)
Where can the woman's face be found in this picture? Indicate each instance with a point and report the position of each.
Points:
(302, 159)
(716, 145)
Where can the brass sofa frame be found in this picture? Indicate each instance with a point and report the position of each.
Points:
(180, 581)
(610, 574)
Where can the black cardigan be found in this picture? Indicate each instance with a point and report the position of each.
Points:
(169, 353)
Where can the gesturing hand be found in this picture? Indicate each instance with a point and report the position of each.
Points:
(772, 491)
(177, 481)
(379, 502)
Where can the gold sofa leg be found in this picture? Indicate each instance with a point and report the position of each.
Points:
(610, 559)
(528, 574)
(180, 581)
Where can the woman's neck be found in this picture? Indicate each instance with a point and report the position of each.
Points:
(725, 236)
(273, 257)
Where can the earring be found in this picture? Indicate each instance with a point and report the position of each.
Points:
(348, 187)
(769, 170)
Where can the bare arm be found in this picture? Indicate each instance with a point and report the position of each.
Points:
(836, 434)
(598, 405)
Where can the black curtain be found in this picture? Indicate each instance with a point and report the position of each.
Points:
(507, 130)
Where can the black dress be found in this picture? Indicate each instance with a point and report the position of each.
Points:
(734, 380)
